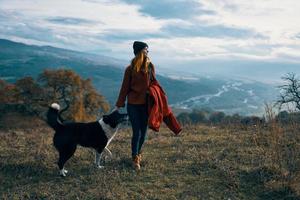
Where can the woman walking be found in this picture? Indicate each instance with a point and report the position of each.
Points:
(137, 78)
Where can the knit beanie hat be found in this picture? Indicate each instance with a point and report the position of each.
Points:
(138, 46)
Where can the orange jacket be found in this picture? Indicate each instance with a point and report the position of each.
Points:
(134, 86)
(159, 110)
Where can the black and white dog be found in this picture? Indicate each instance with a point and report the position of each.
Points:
(95, 135)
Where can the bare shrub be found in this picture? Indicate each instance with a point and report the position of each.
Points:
(279, 148)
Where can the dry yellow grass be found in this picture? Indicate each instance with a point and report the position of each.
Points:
(203, 163)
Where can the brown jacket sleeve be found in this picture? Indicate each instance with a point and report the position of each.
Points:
(124, 88)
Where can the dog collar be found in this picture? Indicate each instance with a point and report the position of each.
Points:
(109, 131)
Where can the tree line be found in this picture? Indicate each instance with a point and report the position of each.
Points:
(80, 101)
(78, 98)
(220, 118)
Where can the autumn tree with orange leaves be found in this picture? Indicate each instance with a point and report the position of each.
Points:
(8, 92)
(79, 100)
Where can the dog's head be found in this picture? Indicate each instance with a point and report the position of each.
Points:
(114, 118)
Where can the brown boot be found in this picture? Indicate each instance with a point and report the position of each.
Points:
(140, 157)
(136, 162)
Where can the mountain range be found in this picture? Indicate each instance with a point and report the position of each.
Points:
(269, 72)
(185, 91)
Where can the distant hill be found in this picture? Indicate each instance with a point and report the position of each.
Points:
(18, 60)
(259, 70)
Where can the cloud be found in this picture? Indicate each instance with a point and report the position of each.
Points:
(117, 15)
(46, 21)
(170, 9)
(203, 48)
(212, 31)
(174, 29)
(71, 21)
(272, 18)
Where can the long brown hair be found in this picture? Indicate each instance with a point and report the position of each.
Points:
(140, 62)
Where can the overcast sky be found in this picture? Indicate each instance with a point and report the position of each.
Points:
(176, 30)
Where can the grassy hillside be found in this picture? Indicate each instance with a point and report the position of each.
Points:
(203, 163)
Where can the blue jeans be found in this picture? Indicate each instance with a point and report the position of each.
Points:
(138, 116)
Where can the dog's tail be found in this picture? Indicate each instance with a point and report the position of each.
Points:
(53, 118)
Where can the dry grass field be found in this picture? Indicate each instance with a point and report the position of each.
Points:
(204, 162)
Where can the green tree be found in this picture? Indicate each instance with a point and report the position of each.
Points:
(184, 118)
(217, 117)
(234, 119)
(198, 116)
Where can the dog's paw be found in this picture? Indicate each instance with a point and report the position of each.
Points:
(100, 166)
(63, 172)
